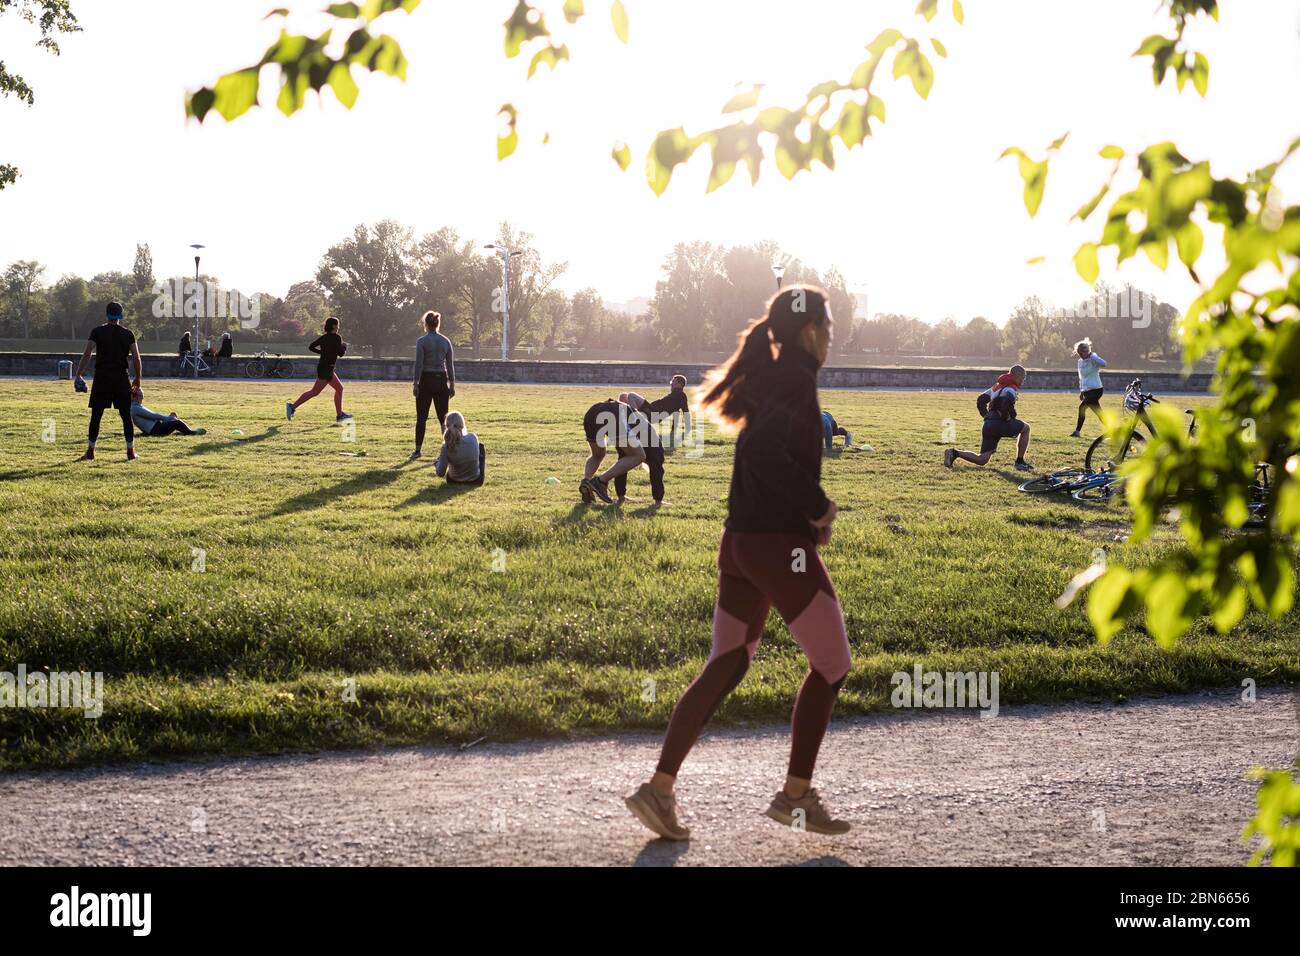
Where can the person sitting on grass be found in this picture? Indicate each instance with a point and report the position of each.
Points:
(156, 424)
(997, 405)
(462, 459)
(831, 428)
(608, 423)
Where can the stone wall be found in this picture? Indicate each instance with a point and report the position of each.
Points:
(632, 373)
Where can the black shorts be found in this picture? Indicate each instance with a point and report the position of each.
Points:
(110, 390)
(995, 429)
(1091, 397)
(324, 371)
(602, 426)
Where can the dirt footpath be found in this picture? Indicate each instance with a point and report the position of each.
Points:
(1153, 781)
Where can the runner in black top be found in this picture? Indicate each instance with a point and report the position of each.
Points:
(329, 347)
(114, 346)
(777, 515)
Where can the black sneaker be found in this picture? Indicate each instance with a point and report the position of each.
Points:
(1024, 466)
(949, 456)
(601, 489)
(588, 496)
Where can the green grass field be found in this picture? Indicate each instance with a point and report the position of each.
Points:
(333, 564)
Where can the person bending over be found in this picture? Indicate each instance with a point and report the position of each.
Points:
(646, 431)
(156, 424)
(610, 423)
(1090, 390)
(997, 405)
(831, 428)
(462, 457)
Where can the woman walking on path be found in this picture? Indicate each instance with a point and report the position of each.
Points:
(329, 347)
(1090, 390)
(435, 377)
(777, 514)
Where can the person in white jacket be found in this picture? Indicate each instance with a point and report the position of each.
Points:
(156, 424)
(462, 459)
(1090, 390)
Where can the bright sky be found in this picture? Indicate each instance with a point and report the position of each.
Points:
(922, 217)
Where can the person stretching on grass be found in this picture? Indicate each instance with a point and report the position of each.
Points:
(646, 429)
(831, 428)
(777, 515)
(113, 345)
(608, 423)
(1090, 390)
(675, 403)
(329, 347)
(435, 377)
(462, 457)
(998, 406)
(156, 424)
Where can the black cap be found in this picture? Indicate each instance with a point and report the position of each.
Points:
(114, 310)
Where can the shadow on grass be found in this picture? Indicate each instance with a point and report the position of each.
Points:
(437, 492)
(20, 474)
(204, 448)
(366, 481)
(578, 513)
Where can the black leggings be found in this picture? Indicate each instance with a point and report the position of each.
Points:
(128, 427)
(433, 389)
(168, 426)
(1089, 399)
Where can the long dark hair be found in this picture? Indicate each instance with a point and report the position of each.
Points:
(730, 394)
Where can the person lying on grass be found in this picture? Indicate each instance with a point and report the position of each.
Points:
(610, 423)
(156, 424)
(997, 405)
(462, 457)
(831, 428)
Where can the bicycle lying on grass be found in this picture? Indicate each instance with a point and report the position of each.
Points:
(262, 367)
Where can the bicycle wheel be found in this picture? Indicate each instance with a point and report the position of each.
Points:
(1055, 482)
(254, 369)
(284, 368)
(1104, 456)
(1100, 492)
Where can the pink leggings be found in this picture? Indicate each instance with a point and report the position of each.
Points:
(333, 382)
(757, 571)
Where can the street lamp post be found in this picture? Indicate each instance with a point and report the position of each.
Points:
(778, 270)
(194, 346)
(506, 255)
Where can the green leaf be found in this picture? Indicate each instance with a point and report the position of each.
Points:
(913, 63)
(622, 155)
(1158, 252)
(1086, 210)
(1107, 600)
(876, 107)
(526, 23)
(1112, 152)
(573, 10)
(743, 101)
(958, 12)
(1085, 262)
(344, 87)
(1167, 600)
(883, 41)
(507, 142)
(236, 93)
(938, 47)
(1229, 609)
(549, 55)
(618, 13)
(1201, 74)
(1190, 239)
(344, 11)
(927, 9)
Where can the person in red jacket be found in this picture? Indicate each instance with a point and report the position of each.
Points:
(777, 515)
(997, 405)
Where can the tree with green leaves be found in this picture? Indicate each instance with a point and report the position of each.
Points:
(143, 269)
(22, 283)
(370, 278)
(51, 18)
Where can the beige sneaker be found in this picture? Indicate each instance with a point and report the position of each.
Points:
(814, 818)
(658, 812)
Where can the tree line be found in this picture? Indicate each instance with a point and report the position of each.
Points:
(381, 278)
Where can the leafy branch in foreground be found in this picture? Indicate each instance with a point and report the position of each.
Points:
(51, 17)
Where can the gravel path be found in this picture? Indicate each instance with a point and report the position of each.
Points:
(1153, 781)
